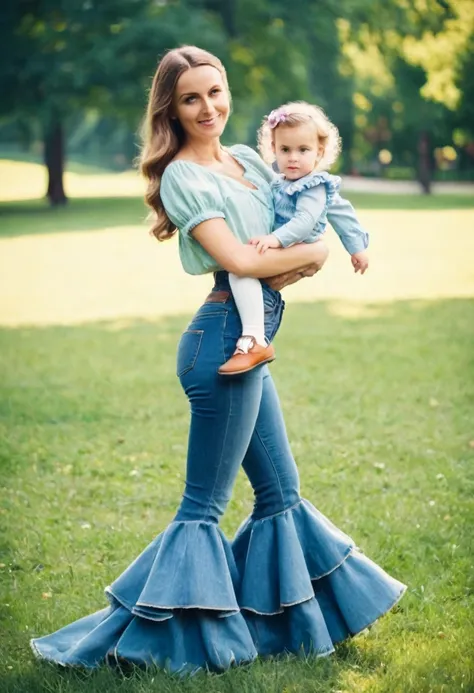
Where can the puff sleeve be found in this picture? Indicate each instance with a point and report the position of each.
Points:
(190, 195)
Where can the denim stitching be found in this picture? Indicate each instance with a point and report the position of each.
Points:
(346, 556)
(283, 607)
(197, 350)
(149, 617)
(271, 462)
(222, 334)
(133, 607)
(233, 610)
(280, 512)
(231, 386)
(225, 434)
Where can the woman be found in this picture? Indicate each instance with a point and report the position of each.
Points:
(290, 580)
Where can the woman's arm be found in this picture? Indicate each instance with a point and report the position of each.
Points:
(243, 260)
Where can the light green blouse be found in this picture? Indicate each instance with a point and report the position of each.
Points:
(192, 193)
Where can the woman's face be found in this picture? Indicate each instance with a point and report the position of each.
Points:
(201, 102)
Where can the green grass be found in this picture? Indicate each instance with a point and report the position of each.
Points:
(80, 214)
(90, 214)
(379, 414)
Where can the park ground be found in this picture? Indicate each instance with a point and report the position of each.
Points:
(376, 378)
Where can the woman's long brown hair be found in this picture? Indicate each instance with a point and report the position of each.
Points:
(162, 136)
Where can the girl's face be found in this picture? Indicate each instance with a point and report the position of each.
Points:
(297, 150)
(201, 103)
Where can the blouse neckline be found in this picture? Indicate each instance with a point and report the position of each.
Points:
(241, 162)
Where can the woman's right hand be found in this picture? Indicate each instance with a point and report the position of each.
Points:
(279, 281)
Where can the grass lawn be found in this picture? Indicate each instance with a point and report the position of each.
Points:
(378, 399)
(94, 432)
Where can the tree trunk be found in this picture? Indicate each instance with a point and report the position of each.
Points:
(54, 161)
(424, 162)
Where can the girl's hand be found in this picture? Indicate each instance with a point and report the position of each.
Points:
(360, 262)
(263, 243)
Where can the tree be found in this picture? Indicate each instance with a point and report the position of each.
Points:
(86, 54)
(411, 54)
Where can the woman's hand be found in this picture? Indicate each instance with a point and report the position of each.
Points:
(287, 278)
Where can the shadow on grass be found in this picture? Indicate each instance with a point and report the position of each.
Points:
(90, 214)
(270, 675)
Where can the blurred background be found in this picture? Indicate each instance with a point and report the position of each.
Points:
(396, 76)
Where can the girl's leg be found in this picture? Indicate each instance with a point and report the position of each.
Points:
(247, 293)
(252, 349)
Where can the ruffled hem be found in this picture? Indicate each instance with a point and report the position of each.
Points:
(292, 582)
(184, 644)
(305, 585)
(277, 557)
(189, 566)
(174, 607)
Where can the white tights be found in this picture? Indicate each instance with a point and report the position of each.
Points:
(248, 297)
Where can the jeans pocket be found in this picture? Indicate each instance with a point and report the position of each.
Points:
(188, 350)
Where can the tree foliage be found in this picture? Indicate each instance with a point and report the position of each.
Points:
(386, 71)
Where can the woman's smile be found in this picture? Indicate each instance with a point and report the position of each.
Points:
(209, 122)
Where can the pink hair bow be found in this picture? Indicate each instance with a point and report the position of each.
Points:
(276, 117)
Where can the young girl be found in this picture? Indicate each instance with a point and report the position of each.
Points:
(304, 143)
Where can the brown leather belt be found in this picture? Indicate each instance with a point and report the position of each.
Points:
(218, 297)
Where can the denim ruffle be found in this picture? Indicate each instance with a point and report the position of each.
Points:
(331, 183)
(175, 606)
(291, 582)
(304, 584)
(189, 566)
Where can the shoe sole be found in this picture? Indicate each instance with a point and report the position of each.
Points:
(246, 370)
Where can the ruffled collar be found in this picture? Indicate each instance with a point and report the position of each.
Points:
(290, 187)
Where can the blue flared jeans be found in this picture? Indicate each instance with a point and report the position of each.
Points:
(234, 420)
(290, 581)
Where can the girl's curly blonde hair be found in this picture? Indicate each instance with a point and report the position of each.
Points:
(295, 113)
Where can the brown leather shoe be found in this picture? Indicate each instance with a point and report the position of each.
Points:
(247, 355)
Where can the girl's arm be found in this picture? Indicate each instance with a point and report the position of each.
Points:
(343, 219)
(309, 207)
(243, 260)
